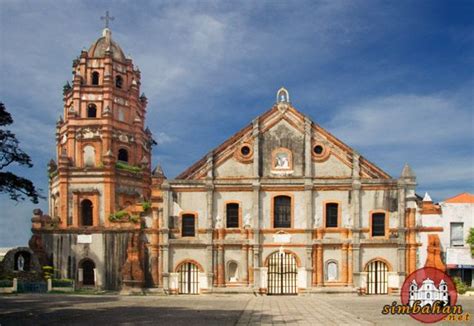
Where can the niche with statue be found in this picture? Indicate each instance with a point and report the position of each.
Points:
(21, 263)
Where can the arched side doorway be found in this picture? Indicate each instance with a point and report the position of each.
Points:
(188, 274)
(282, 273)
(377, 277)
(88, 272)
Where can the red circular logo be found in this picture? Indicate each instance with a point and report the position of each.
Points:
(428, 290)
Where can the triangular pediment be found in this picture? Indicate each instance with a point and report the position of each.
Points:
(281, 126)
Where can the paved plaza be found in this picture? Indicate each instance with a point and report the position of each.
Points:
(54, 309)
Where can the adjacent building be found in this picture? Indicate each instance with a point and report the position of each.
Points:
(451, 220)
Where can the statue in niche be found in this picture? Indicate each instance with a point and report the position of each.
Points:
(349, 219)
(21, 263)
(282, 161)
(282, 97)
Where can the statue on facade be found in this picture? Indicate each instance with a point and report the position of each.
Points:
(247, 221)
(316, 221)
(20, 263)
(282, 161)
(218, 222)
(283, 96)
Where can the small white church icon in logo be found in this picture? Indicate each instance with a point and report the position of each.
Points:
(428, 293)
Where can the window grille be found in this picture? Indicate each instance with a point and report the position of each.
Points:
(188, 228)
(378, 224)
(332, 212)
(232, 211)
(282, 212)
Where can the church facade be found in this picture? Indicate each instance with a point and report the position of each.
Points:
(281, 207)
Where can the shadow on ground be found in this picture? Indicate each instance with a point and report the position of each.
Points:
(107, 310)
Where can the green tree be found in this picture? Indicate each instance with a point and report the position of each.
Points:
(470, 240)
(18, 188)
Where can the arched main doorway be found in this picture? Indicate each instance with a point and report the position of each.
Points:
(88, 272)
(282, 273)
(188, 278)
(377, 277)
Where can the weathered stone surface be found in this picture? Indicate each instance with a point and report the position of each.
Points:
(132, 271)
(115, 245)
(434, 253)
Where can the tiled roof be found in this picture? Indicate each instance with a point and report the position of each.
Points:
(464, 198)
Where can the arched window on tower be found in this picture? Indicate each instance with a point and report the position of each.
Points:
(86, 213)
(54, 202)
(95, 78)
(118, 81)
(123, 155)
(91, 111)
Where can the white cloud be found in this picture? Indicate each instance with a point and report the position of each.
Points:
(163, 138)
(433, 133)
(404, 120)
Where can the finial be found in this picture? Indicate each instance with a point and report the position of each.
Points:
(107, 19)
(427, 197)
(407, 172)
(158, 171)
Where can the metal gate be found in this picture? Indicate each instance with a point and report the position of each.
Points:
(377, 278)
(188, 279)
(32, 287)
(282, 274)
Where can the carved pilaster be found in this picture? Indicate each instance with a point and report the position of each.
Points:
(307, 148)
(319, 265)
(256, 148)
(349, 266)
(345, 262)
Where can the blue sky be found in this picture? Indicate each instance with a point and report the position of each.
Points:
(392, 79)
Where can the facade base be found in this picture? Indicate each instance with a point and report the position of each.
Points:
(339, 289)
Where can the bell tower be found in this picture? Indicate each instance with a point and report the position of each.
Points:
(103, 147)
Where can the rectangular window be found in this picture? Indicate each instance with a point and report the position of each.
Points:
(332, 212)
(282, 212)
(457, 234)
(378, 224)
(232, 211)
(188, 228)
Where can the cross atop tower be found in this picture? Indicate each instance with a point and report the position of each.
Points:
(107, 19)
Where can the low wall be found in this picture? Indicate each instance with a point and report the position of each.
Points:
(12, 289)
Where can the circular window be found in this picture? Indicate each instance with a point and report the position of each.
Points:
(245, 150)
(318, 149)
(244, 153)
